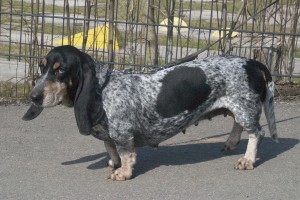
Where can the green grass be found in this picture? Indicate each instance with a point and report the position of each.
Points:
(297, 53)
(14, 90)
(14, 48)
(296, 80)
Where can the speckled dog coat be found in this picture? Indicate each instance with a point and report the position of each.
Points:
(130, 110)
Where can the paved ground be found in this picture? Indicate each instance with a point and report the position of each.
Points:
(48, 159)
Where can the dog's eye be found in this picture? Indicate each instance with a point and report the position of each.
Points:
(61, 70)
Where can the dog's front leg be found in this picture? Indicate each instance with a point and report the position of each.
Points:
(127, 154)
(115, 160)
(234, 137)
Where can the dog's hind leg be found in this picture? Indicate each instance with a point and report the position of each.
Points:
(128, 159)
(248, 117)
(234, 137)
(248, 161)
(115, 160)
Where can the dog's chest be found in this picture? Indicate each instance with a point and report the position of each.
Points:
(99, 132)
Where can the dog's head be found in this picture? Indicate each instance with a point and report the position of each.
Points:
(68, 78)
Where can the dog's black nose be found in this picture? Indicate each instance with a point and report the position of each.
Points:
(36, 97)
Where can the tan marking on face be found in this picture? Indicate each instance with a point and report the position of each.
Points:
(44, 61)
(56, 65)
(55, 93)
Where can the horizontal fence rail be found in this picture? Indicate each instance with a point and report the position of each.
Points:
(144, 34)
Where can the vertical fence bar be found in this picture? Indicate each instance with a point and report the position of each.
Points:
(291, 53)
(189, 30)
(21, 30)
(125, 40)
(200, 26)
(67, 5)
(170, 12)
(42, 42)
(10, 29)
(149, 33)
(111, 33)
(52, 24)
(86, 25)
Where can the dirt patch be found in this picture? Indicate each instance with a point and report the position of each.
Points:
(287, 91)
(13, 101)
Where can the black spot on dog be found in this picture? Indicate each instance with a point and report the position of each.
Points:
(184, 88)
(258, 75)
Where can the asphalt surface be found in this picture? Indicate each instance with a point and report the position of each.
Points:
(47, 158)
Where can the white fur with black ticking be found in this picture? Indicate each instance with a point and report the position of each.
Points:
(130, 101)
(130, 110)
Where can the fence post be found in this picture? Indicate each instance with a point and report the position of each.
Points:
(170, 11)
(68, 21)
(111, 33)
(150, 34)
(291, 52)
(86, 26)
(34, 42)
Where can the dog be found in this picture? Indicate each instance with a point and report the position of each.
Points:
(133, 110)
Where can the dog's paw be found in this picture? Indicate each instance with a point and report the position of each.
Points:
(244, 163)
(228, 146)
(120, 175)
(113, 165)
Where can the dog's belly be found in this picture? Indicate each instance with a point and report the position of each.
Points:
(162, 129)
(154, 132)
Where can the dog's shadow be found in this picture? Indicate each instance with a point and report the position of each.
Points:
(182, 154)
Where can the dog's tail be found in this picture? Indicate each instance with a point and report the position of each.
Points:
(268, 102)
(269, 110)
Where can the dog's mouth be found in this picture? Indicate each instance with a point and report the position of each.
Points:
(32, 112)
(51, 103)
(47, 104)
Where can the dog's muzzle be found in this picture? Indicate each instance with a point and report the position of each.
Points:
(36, 97)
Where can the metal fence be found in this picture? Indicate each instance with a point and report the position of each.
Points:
(140, 34)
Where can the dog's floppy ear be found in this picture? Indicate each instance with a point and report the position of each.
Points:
(84, 97)
(32, 112)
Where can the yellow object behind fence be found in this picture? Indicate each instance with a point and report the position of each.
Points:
(218, 34)
(177, 23)
(97, 38)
